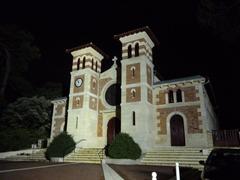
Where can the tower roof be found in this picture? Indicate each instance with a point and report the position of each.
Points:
(142, 29)
(88, 45)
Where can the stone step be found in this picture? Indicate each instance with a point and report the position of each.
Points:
(187, 157)
(74, 157)
(176, 158)
(155, 152)
(197, 166)
(173, 154)
(38, 156)
(83, 161)
(183, 161)
(85, 156)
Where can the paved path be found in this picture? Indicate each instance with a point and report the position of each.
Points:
(141, 172)
(109, 173)
(77, 171)
(50, 171)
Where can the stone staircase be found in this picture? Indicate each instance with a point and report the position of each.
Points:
(86, 155)
(187, 157)
(35, 156)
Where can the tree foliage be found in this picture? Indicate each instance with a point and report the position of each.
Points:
(29, 113)
(26, 117)
(15, 139)
(124, 147)
(61, 145)
(17, 51)
(20, 45)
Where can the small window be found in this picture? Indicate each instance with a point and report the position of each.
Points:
(133, 93)
(84, 60)
(136, 49)
(78, 64)
(133, 71)
(76, 122)
(92, 63)
(133, 118)
(78, 101)
(170, 96)
(129, 51)
(96, 66)
(179, 95)
(94, 83)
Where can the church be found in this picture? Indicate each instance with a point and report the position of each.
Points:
(130, 98)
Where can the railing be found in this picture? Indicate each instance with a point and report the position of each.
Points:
(226, 137)
(101, 154)
(72, 147)
(77, 143)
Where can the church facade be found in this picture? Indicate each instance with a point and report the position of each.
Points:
(131, 99)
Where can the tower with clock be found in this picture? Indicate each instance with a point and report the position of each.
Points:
(83, 97)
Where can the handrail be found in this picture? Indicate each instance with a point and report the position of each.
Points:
(101, 151)
(78, 142)
(66, 149)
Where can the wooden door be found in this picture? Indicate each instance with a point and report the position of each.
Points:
(177, 131)
(113, 128)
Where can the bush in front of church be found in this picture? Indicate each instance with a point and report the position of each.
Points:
(61, 145)
(124, 147)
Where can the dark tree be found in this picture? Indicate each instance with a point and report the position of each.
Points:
(221, 17)
(16, 53)
(29, 113)
(24, 122)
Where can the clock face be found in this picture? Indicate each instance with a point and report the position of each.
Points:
(78, 82)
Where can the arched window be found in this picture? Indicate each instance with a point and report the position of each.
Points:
(84, 61)
(133, 93)
(92, 63)
(94, 83)
(170, 96)
(179, 95)
(96, 64)
(129, 51)
(136, 49)
(78, 101)
(133, 118)
(78, 64)
(133, 71)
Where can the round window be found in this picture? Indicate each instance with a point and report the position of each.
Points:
(113, 95)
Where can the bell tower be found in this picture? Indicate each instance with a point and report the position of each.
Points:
(83, 96)
(136, 90)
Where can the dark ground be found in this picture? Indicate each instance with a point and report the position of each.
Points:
(140, 172)
(71, 172)
(89, 172)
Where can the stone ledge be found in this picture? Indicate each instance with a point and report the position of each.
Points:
(122, 161)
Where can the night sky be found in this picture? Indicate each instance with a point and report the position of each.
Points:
(186, 45)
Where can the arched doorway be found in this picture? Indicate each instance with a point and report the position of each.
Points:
(113, 128)
(177, 131)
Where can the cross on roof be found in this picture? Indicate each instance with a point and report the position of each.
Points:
(114, 61)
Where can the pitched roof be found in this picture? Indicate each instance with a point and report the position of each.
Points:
(189, 78)
(145, 28)
(85, 46)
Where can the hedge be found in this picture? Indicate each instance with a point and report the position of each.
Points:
(61, 145)
(124, 147)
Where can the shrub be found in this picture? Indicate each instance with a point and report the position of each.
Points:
(61, 145)
(124, 147)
